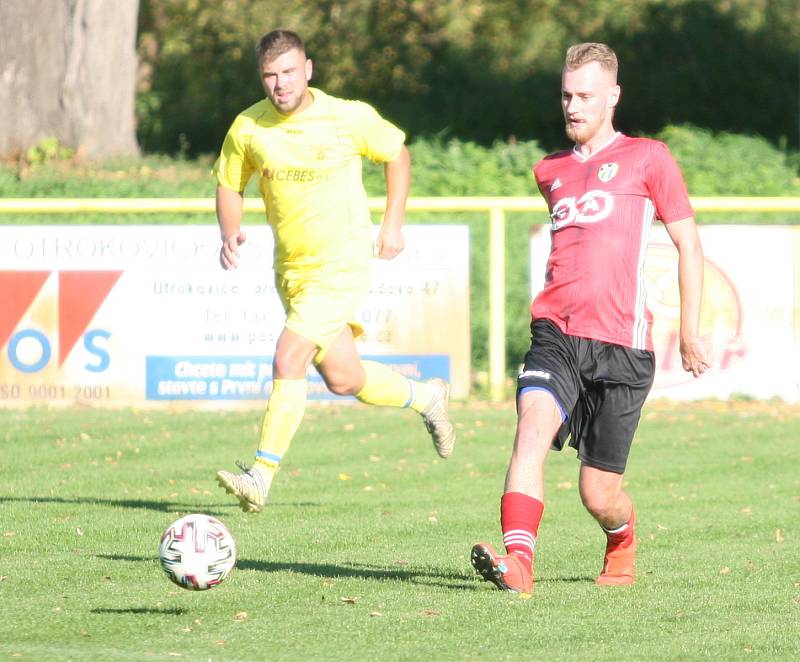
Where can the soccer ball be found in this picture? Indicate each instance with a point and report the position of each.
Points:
(197, 552)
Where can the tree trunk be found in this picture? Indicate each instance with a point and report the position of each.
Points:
(68, 70)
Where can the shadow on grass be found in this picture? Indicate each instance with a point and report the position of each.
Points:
(145, 504)
(175, 611)
(462, 581)
(452, 580)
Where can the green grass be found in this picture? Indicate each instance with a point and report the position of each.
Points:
(362, 552)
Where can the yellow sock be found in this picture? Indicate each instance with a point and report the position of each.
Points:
(285, 410)
(386, 387)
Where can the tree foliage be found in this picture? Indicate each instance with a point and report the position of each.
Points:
(481, 70)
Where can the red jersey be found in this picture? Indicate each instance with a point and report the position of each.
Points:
(602, 208)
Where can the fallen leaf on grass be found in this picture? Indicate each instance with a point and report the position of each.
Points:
(375, 613)
(345, 477)
(240, 616)
(779, 536)
(724, 570)
(430, 612)
(349, 601)
(3, 578)
(9, 534)
(565, 485)
(79, 531)
(661, 527)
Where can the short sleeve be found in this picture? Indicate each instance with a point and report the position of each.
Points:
(666, 184)
(376, 138)
(232, 168)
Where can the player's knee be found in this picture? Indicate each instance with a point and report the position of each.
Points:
(289, 365)
(599, 503)
(341, 386)
(291, 362)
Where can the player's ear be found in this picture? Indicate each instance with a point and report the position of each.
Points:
(613, 98)
(309, 69)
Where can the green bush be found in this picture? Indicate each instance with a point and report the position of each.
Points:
(713, 164)
(729, 164)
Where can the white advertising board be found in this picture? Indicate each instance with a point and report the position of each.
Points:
(144, 315)
(750, 318)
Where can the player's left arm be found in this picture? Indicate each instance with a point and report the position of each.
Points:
(690, 283)
(397, 172)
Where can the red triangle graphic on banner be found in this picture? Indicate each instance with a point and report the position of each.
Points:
(80, 295)
(18, 289)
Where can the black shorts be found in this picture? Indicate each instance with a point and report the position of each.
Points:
(599, 387)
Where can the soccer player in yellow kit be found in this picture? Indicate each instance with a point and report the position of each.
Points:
(306, 148)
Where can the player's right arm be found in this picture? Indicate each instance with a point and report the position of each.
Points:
(233, 170)
(229, 216)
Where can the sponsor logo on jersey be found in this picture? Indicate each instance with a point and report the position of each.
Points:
(607, 172)
(556, 184)
(300, 175)
(539, 374)
(593, 206)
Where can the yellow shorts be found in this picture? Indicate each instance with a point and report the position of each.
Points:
(321, 301)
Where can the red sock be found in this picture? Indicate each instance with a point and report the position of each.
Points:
(622, 537)
(520, 515)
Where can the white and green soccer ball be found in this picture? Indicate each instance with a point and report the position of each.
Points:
(197, 552)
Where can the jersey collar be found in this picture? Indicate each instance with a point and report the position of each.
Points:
(581, 157)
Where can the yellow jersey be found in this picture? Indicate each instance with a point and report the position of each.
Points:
(309, 169)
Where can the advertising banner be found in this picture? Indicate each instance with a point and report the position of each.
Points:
(750, 318)
(144, 315)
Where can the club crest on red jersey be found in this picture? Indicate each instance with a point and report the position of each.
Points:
(607, 172)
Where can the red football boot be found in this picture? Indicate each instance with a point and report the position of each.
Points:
(506, 571)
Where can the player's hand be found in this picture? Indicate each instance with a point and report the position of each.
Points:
(229, 253)
(389, 244)
(694, 355)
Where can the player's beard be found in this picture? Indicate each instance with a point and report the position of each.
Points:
(582, 133)
(290, 105)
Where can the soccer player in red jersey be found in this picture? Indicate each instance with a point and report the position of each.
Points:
(591, 365)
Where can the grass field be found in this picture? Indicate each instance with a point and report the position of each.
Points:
(363, 550)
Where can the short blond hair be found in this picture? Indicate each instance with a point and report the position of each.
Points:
(580, 54)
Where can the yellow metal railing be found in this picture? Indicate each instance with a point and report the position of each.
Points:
(495, 206)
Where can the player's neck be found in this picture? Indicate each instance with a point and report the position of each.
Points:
(596, 142)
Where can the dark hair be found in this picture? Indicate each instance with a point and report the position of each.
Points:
(276, 43)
